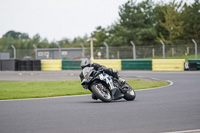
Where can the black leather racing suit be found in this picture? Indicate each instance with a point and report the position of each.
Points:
(109, 71)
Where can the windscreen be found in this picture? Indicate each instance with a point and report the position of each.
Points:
(87, 71)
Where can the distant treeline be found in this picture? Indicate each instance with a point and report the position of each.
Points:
(144, 23)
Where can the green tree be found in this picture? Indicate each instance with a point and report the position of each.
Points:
(191, 17)
(135, 23)
(101, 34)
(160, 17)
(173, 22)
(16, 35)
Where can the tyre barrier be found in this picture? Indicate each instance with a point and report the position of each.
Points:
(9, 65)
(111, 63)
(29, 65)
(168, 64)
(194, 65)
(36, 65)
(136, 64)
(21, 65)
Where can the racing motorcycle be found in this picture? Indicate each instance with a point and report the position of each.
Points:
(105, 87)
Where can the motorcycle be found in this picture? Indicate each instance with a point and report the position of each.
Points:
(105, 87)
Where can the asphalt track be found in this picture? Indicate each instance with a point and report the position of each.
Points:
(172, 108)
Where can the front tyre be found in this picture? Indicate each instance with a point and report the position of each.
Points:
(101, 92)
(130, 94)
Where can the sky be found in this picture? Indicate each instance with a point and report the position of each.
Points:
(58, 19)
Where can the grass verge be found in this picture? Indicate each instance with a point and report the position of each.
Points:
(38, 89)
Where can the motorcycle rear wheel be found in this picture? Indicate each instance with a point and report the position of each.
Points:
(101, 92)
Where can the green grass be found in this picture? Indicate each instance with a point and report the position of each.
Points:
(37, 89)
(140, 84)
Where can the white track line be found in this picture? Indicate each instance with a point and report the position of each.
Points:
(45, 98)
(186, 131)
(170, 84)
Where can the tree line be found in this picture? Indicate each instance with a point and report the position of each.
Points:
(144, 23)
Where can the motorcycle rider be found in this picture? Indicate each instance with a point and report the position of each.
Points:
(114, 73)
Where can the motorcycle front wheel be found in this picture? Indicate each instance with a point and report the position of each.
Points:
(101, 92)
(130, 94)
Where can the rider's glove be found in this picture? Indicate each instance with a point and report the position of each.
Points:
(115, 73)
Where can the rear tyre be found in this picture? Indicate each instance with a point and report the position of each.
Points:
(101, 92)
(130, 94)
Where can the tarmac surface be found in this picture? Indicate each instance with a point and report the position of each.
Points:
(51, 75)
(172, 108)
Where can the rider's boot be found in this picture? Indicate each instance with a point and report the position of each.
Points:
(122, 81)
(113, 93)
(118, 94)
(115, 74)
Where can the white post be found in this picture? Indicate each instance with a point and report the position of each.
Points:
(107, 50)
(188, 50)
(118, 55)
(195, 44)
(35, 51)
(83, 50)
(134, 53)
(153, 52)
(91, 47)
(163, 48)
(59, 50)
(172, 52)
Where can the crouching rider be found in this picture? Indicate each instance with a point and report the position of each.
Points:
(114, 73)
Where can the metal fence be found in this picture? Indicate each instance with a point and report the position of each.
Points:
(126, 52)
(144, 52)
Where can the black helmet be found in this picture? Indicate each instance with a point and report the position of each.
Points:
(85, 63)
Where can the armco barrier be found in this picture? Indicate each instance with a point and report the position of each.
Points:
(128, 64)
(109, 63)
(29, 65)
(194, 64)
(21, 65)
(51, 65)
(71, 65)
(9, 65)
(168, 64)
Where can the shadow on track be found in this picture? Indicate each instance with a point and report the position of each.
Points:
(98, 101)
